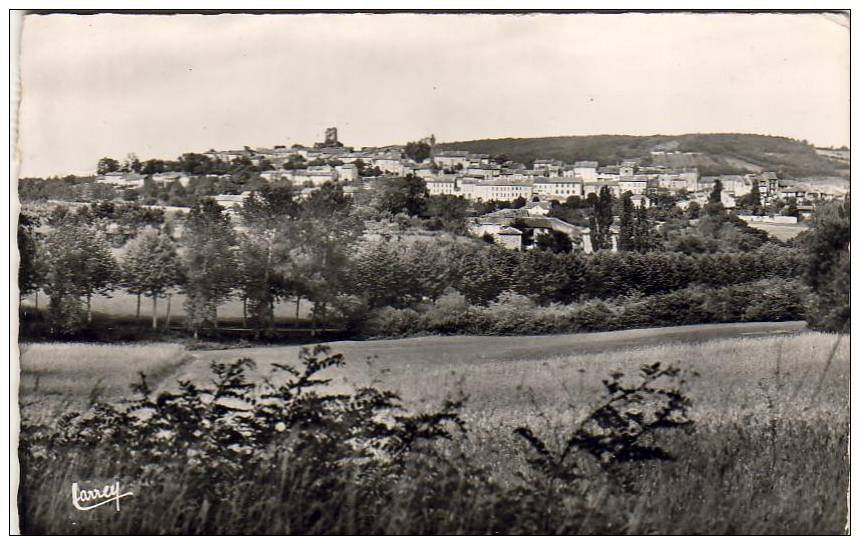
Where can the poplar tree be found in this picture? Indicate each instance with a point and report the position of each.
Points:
(151, 267)
(600, 220)
(626, 240)
(269, 215)
(755, 198)
(643, 237)
(716, 193)
(30, 269)
(209, 260)
(715, 208)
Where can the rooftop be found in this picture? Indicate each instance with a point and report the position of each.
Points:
(509, 231)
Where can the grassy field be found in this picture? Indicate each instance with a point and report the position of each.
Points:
(768, 454)
(124, 305)
(70, 376)
(782, 231)
(509, 378)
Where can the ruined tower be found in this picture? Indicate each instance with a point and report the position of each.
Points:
(331, 137)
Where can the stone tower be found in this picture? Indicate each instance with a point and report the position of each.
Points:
(331, 137)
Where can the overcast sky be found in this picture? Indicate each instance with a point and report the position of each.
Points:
(162, 85)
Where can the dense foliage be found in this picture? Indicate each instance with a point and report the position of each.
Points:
(413, 272)
(319, 249)
(516, 314)
(828, 269)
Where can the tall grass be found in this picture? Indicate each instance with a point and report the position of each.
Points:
(768, 455)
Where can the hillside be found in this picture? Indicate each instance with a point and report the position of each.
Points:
(717, 153)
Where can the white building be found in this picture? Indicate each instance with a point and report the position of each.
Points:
(347, 172)
(425, 172)
(441, 186)
(585, 170)
(121, 179)
(500, 190)
(315, 175)
(557, 188)
(451, 159)
(550, 168)
(478, 161)
(226, 156)
(486, 172)
(535, 208)
(390, 163)
(169, 177)
(231, 202)
(638, 184)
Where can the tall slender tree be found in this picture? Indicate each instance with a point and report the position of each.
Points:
(626, 240)
(716, 192)
(102, 271)
(600, 220)
(755, 198)
(152, 267)
(644, 238)
(30, 270)
(209, 263)
(269, 216)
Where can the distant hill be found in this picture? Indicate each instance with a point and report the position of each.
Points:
(717, 153)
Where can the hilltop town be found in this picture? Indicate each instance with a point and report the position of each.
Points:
(523, 194)
(486, 177)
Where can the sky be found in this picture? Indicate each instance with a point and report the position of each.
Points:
(158, 86)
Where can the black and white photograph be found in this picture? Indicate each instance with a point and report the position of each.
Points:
(430, 272)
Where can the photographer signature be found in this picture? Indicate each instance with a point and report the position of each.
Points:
(106, 494)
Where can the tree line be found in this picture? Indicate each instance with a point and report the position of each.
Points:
(293, 249)
(285, 248)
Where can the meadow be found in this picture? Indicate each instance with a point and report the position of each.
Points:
(121, 305)
(768, 453)
(782, 231)
(71, 376)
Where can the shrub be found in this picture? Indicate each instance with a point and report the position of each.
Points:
(214, 435)
(510, 313)
(593, 315)
(619, 431)
(514, 314)
(391, 322)
(776, 300)
(66, 315)
(450, 314)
